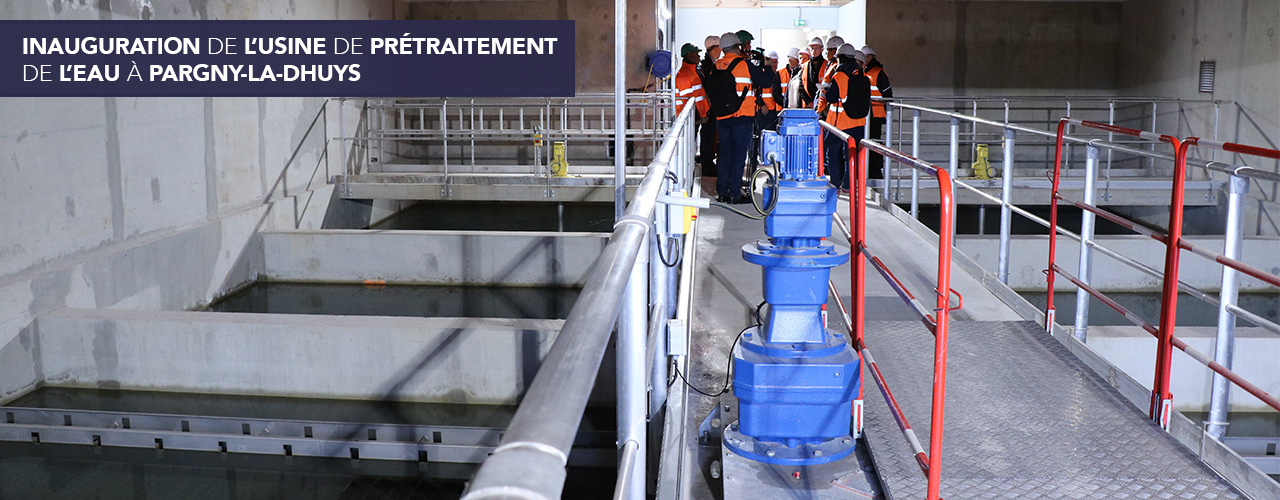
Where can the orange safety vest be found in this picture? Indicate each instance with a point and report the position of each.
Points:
(877, 107)
(835, 112)
(804, 75)
(742, 83)
(768, 101)
(689, 88)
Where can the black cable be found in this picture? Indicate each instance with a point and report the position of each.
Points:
(763, 212)
(674, 242)
(728, 364)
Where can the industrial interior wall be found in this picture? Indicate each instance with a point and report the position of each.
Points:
(145, 203)
(997, 48)
(593, 37)
(1163, 44)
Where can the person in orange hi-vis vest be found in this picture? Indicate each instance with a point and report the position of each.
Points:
(689, 83)
(786, 73)
(880, 87)
(708, 140)
(847, 101)
(735, 129)
(833, 43)
(771, 94)
(812, 74)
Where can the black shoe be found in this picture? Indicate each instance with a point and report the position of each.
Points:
(741, 200)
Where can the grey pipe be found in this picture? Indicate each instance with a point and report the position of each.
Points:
(1086, 236)
(632, 400)
(1220, 398)
(619, 107)
(915, 174)
(1006, 214)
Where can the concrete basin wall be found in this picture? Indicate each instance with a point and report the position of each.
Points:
(445, 360)
(1133, 350)
(432, 257)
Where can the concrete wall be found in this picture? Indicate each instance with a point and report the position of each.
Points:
(1133, 350)
(593, 39)
(997, 47)
(435, 257)
(148, 203)
(1162, 46)
(1029, 256)
(446, 360)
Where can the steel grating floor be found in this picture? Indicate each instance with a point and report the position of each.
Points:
(1024, 419)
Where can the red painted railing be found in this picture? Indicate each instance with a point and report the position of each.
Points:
(1161, 397)
(937, 323)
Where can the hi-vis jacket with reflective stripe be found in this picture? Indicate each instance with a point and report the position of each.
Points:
(880, 87)
(742, 84)
(812, 72)
(689, 88)
(839, 93)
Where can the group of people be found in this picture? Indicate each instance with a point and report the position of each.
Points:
(739, 91)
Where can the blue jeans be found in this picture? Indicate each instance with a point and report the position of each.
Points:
(735, 142)
(837, 156)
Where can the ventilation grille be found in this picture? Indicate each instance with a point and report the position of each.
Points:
(1207, 70)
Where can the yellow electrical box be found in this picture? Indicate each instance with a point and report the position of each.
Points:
(681, 217)
(559, 164)
(981, 166)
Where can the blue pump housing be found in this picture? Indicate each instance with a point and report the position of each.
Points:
(794, 379)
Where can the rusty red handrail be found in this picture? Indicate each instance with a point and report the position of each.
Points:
(1234, 377)
(1161, 397)
(931, 461)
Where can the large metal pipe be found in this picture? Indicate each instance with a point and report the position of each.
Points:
(1220, 398)
(530, 461)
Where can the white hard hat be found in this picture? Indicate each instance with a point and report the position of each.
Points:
(712, 41)
(857, 54)
(816, 41)
(846, 50)
(794, 53)
(729, 39)
(834, 42)
(772, 54)
(866, 49)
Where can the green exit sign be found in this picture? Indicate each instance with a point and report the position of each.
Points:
(802, 22)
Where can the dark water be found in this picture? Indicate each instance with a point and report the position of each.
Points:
(1198, 220)
(1191, 311)
(502, 216)
(401, 300)
(47, 471)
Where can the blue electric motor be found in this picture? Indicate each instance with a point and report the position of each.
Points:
(795, 380)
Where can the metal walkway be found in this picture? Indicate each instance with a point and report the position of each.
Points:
(1025, 419)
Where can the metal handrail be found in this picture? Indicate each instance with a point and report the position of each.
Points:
(530, 460)
(930, 462)
(1161, 399)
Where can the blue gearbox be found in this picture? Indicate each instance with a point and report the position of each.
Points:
(795, 380)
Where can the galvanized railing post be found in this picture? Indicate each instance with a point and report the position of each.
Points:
(631, 362)
(955, 160)
(915, 174)
(888, 141)
(1220, 398)
(656, 334)
(1086, 236)
(955, 148)
(1006, 210)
